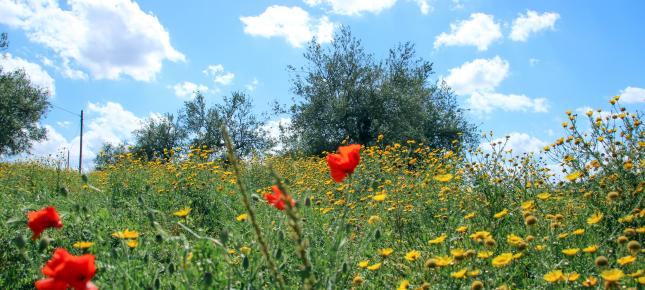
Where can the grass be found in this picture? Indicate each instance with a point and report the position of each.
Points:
(410, 216)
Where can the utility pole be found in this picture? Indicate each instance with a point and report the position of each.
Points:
(80, 153)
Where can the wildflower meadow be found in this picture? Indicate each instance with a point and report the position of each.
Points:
(386, 216)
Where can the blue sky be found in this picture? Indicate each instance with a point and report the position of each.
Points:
(517, 65)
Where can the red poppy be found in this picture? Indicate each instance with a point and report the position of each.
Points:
(42, 219)
(276, 198)
(344, 162)
(67, 271)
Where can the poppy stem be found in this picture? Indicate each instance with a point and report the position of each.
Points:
(296, 226)
(245, 199)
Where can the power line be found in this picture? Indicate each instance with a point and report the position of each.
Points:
(66, 110)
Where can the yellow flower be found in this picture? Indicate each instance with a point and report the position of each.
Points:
(636, 274)
(373, 219)
(590, 249)
(539, 247)
(612, 275)
(573, 176)
(132, 243)
(245, 250)
(590, 281)
(438, 240)
(242, 217)
(571, 252)
(363, 264)
(484, 254)
(82, 245)
(404, 285)
(469, 216)
(379, 197)
(183, 212)
(126, 234)
(374, 267)
(443, 261)
(474, 273)
(412, 255)
(443, 177)
(501, 214)
(554, 276)
(462, 229)
(385, 252)
(457, 253)
(572, 276)
(480, 236)
(544, 196)
(514, 240)
(578, 232)
(358, 280)
(626, 260)
(641, 280)
(595, 218)
(502, 260)
(459, 274)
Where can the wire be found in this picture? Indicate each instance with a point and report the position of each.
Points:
(66, 110)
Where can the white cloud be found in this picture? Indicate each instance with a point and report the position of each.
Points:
(480, 30)
(37, 75)
(224, 79)
(252, 85)
(63, 124)
(518, 142)
(105, 123)
(292, 23)
(185, 90)
(107, 38)
(355, 7)
(478, 75)
(273, 129)
(632, 95)
(486, 102)
(532, 22)
(478, 79)
(219, 75)
(424, 6)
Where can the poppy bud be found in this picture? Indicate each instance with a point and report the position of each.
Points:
(223, 236)
(278, 253)
(63, 191)
(307, 201)
(245, 262)
(377, 234)
(43, 244)
(208, 278)
(20, 242)
(84, 178)
(157, 283)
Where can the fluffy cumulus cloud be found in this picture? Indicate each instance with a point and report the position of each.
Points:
(275, 128)
(37, 75)
(105, 123)
(480, 30)
(292, 23)
(185, 90)
(478, 75)
(516, 141)
(356, 7)
(252, 85)
(424, 6)
(632, 95)
(219, 75)
(107, 38)
(486, 102)
(478, 80)
(532, 22)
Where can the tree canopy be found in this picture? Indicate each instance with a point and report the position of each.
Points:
(344, 93)
(22, 105)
